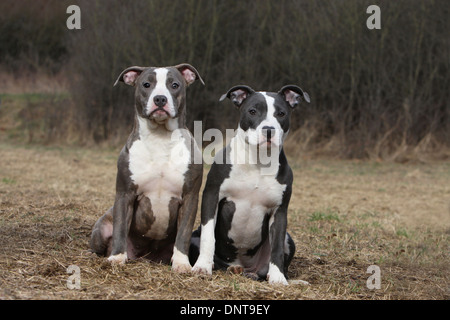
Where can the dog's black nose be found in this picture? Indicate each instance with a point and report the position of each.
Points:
(160, 101)
(268, 132)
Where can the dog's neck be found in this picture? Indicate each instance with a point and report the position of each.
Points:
(144, 126)
(243, 153)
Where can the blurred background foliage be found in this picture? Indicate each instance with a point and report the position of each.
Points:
(380, 94)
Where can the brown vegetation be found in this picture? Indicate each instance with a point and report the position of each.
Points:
(376, 94)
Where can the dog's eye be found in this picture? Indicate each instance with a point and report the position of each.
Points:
(175, 85)
(252, 112)
(281, 114)
(146, 85)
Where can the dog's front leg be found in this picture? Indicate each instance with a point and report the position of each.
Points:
(277, 238)
(185, 223)
(122, 216)
(210, 200)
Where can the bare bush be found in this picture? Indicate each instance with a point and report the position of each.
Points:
(375, 93)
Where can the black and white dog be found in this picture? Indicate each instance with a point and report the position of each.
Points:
(156, 188)
(246, 197)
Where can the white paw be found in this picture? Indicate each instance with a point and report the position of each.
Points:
(205, 262)
(202, 268)
(120, 258)
(181, 268)
(275, 276)
(180, 262)
(299, 282)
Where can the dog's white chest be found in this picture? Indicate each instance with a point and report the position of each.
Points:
(158, 162)
(155, 167)
(253, 188)
(254, 196)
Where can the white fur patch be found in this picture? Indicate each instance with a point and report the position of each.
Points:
(250, 154)
(161, 89)
(299, 282)
(205, 260)
(120, 258)
(275, 276)
(180, 262)
(159, 171)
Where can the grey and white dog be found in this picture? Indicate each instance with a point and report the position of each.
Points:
(156, 192)
(244, 208)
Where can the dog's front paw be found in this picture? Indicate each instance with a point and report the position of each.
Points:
(180, 262)
(181, 268)
(120, 258)
(277, 280)
(202, 268)
(275, 276)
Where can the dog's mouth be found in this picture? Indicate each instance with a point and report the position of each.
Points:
(266, 143)
(269, 144)
(159, 114)
(263, 143)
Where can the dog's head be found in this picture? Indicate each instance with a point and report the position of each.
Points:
(160, 92)
(265, 116)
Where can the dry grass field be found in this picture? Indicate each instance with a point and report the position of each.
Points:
(344, 216)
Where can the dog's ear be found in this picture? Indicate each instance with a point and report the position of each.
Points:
(293, 95)
(238, 94)
(189, 73)
(129, 75)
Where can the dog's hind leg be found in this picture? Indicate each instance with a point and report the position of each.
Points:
(101, 237)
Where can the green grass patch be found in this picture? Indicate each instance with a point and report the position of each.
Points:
(327, 215)
(402, 233)
(8, 181)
